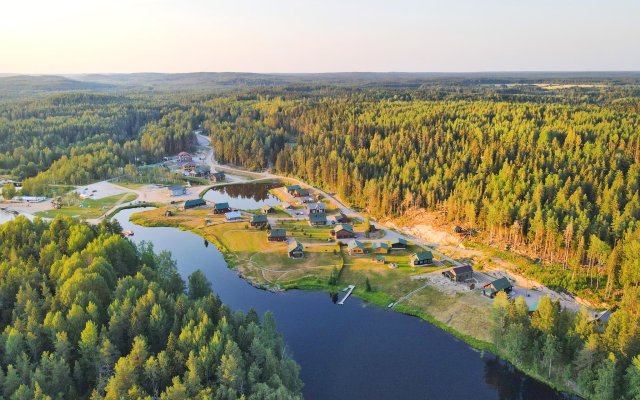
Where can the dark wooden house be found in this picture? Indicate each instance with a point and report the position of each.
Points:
(259, 220)
(398, 244)
(194, 203)
(380, 248)
(295, 249)
(277, 235)
(221, 208)
(343, 231)
(459, 274)
(317, 219)
(422, 258)
(499, 285)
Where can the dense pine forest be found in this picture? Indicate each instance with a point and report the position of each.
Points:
(86, 314)
(558, 182)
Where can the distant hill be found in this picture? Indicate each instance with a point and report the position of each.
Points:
(16, 85)
(24, 85)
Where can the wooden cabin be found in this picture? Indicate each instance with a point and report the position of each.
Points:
(356, 247)
(221, 208)
(343, 231)
(217, 176)
(259, 220)
(291, 189)
(398, 244)
(201, 171)
(317, 219)
(499, 285)
(295, 249)
(380, 248)
(459, 274)
(194, 203)
(316, 207)
(422, 258)
(266, 209)
(277, 235)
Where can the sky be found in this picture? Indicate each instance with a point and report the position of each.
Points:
(121, 36)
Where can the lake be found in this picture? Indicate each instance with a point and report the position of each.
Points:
(248, 196)
(354, 351)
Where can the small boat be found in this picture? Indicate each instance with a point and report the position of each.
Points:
(127, 233)
(391, 305)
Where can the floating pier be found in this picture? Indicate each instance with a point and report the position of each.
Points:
(346, 296)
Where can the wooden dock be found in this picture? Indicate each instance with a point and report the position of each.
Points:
(346, 296)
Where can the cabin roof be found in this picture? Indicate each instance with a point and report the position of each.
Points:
(194, 203)
(259, 218)
(463, 269)
(501, 284)
(398, 241)
(379, 245)
(175, 188)
(292, 187)
(221, 206)
(318, 217)
(233, 215)
(355, 243)
(294, 245)
(278, 233)
(343, 227)
(423, 255)
(316, 206)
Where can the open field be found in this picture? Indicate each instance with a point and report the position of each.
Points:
(89, 208)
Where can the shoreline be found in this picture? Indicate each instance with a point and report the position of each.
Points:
(380, 299)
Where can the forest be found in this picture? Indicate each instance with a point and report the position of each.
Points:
(86, 314)
(79, 137)
(556, 182)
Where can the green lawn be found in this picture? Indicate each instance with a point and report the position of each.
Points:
(89, 208)
(302, 231)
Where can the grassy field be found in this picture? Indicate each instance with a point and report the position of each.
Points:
(89, 208)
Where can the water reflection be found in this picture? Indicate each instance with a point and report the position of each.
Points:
(246, 196)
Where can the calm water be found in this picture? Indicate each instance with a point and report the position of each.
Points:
(248, 196)
(354, 351)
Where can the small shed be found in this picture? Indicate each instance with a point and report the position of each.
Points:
(259, 220)
(295, 249)
(343, 231)
(499, 285)
(317, 219)
(168, 213)
(233, 216)
(194, 203)
(398, 244)
(177, 190)
(380, 248)
(422, 258)
(221, 208)
(356, 247)
(277, 235)
(459, 274)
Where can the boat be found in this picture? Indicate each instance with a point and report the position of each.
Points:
(391, 304)
(127, 233)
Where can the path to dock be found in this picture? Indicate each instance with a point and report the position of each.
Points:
(346, 296)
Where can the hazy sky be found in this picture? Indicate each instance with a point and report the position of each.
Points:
(75, 36)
